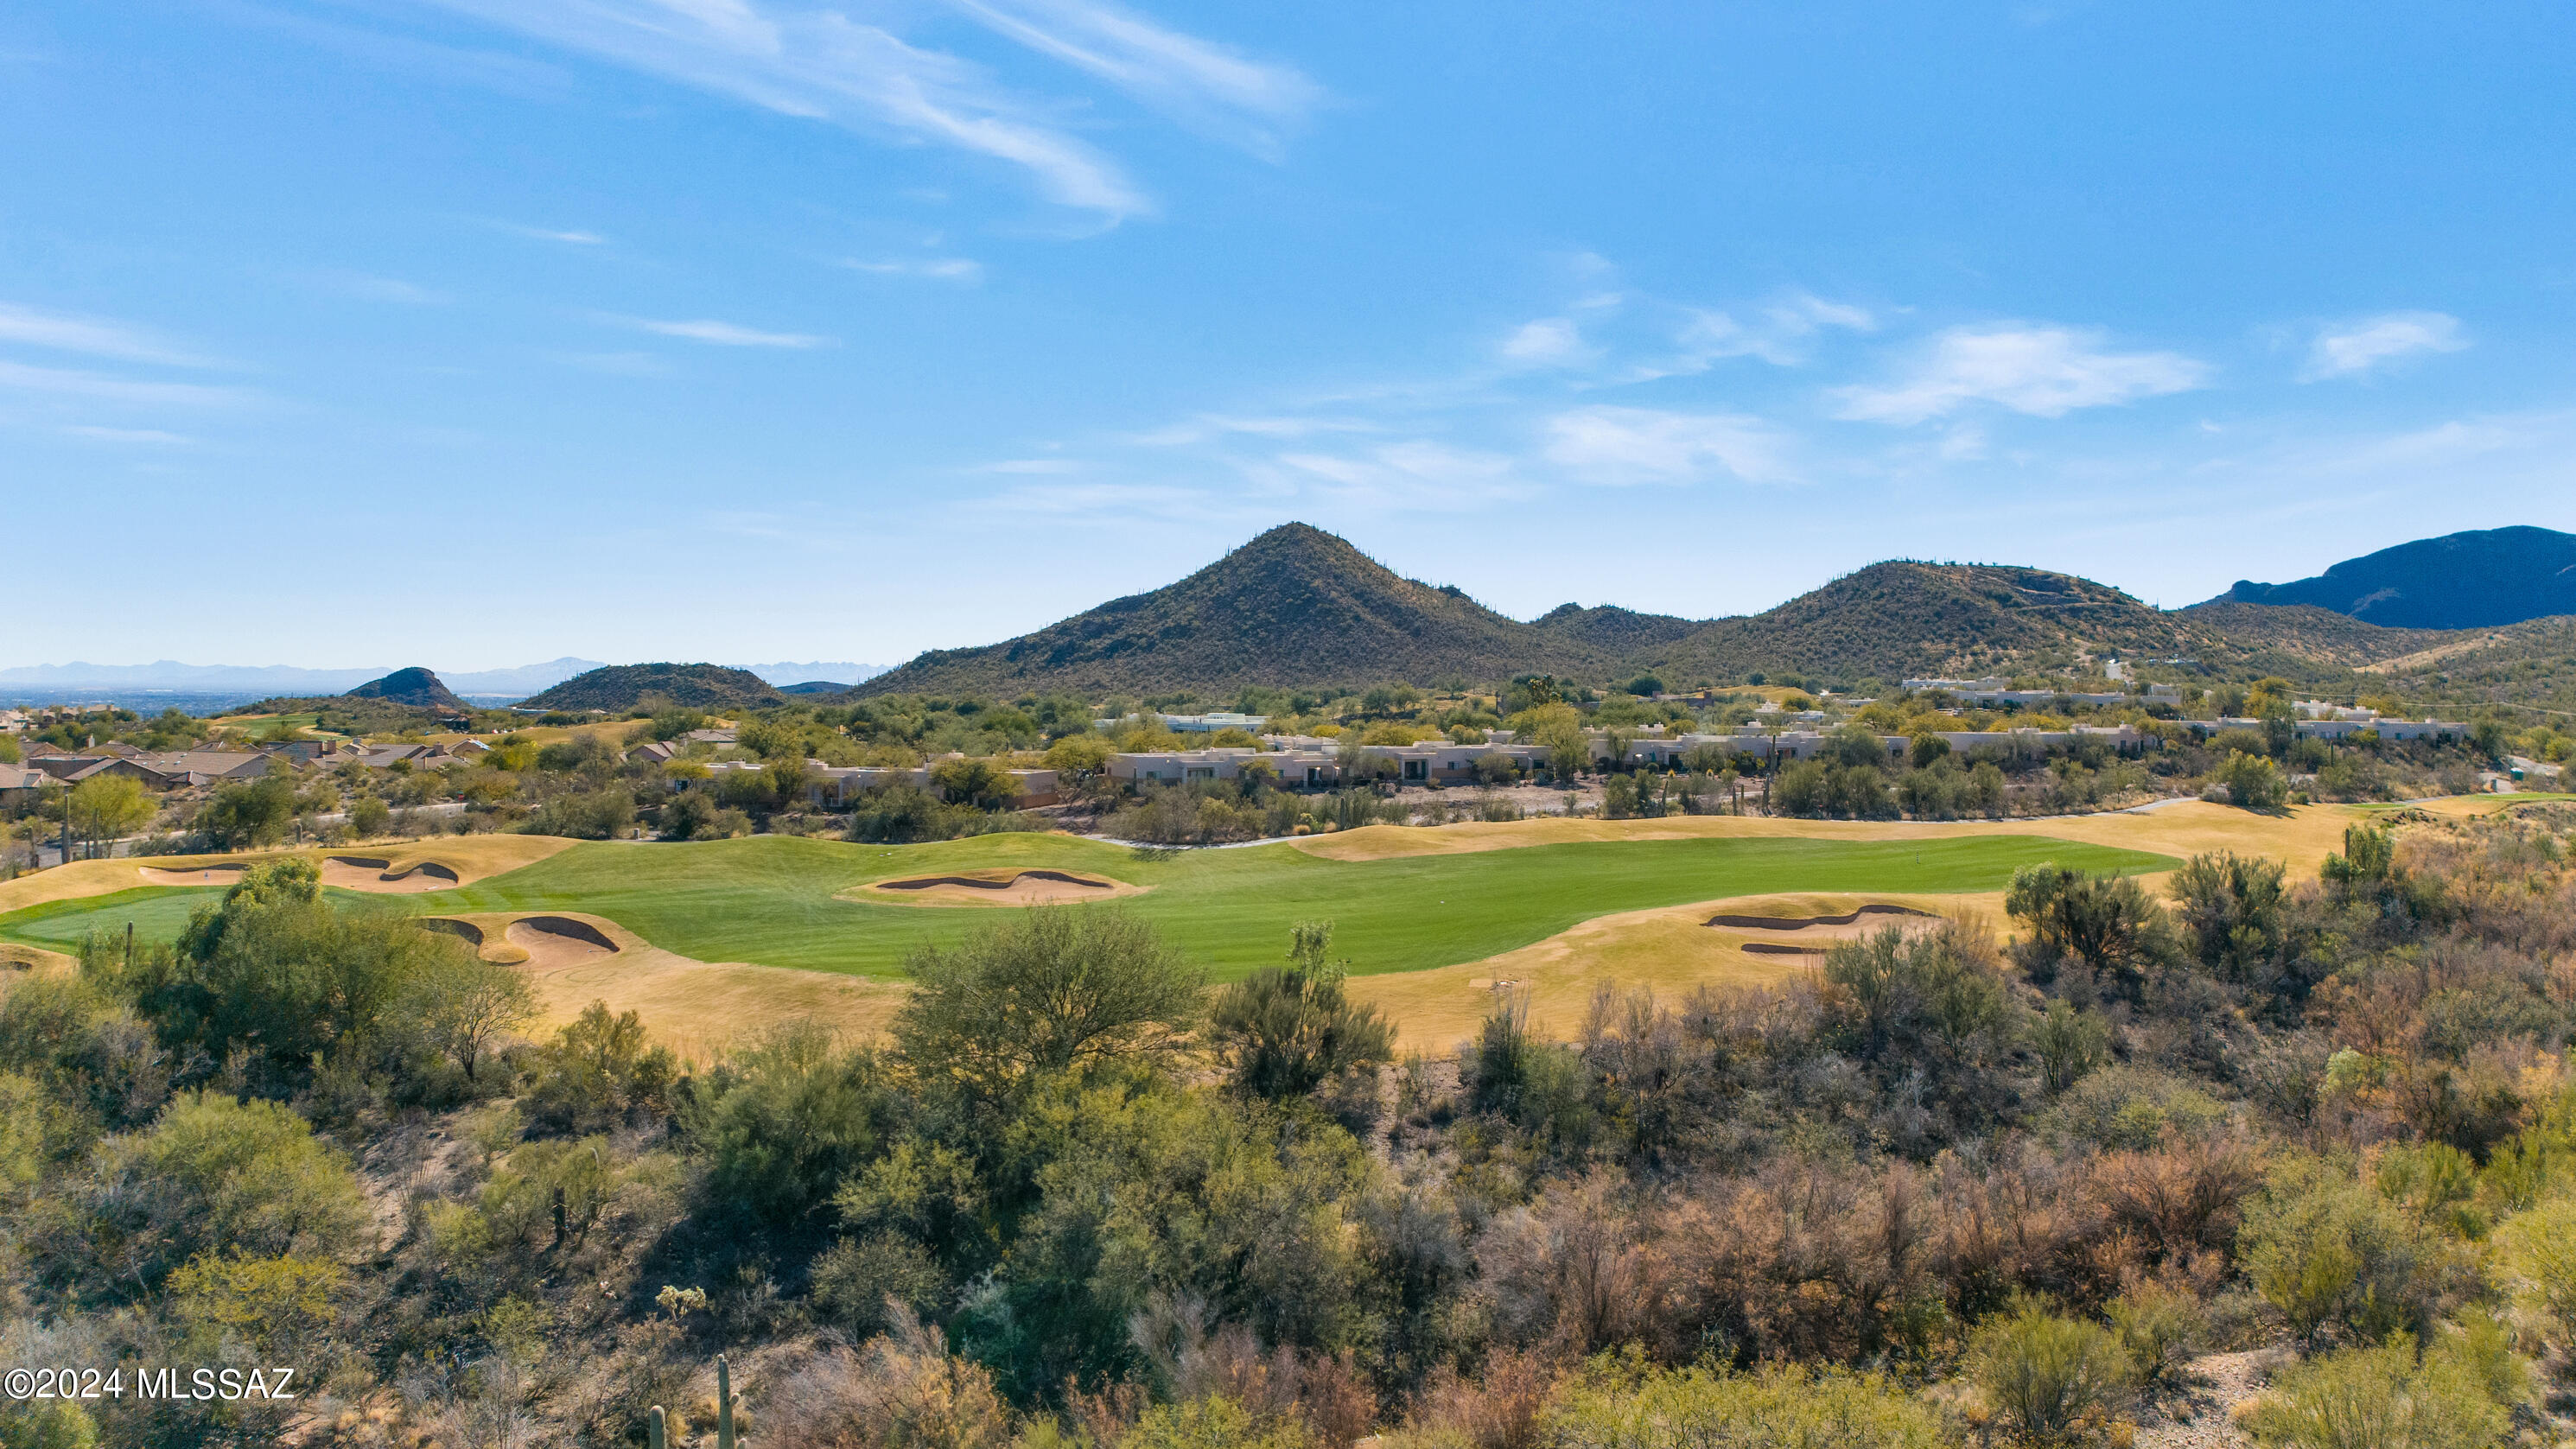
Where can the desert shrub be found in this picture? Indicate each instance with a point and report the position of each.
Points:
(899, 1390)
(2162, 1326)
(2381, 1397)
(584, 815)
(1284, 1031)
(2051, 1380)
(218, 1175)
(599, 1071)
(1698, 1408)
(2539, 1260)
(2334, 1257)
(781, 1124)
(2070, 1043)
(866, 1284)
(1214, 1423)
(2134, 1107)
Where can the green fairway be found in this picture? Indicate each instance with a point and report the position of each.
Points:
(770, 900)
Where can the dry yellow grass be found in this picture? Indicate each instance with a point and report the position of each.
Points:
(472, 857)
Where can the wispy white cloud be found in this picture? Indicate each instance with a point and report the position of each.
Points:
(942, 269)
(1622, 445)
(2042, 371)
(92, 336)
(1034, 465)
(154, 437)
(1210, 87)
(69, 382)
(1208, 427)
(730, 334)
(823, 65)
(385, 289)
(2367, 345)
(573, 238)
(1411, 475)
(1546, 342)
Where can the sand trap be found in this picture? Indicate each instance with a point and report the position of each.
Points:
(222, 875)
(994, 888)
(378, 875)
(466, 931)
(1804, 923)
(558, 941)
(1811, 936)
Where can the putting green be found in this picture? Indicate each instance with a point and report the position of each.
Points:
(772, 900)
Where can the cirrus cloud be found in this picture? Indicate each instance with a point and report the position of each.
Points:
(1626, 445)
(2373, 342)
(2039, 370)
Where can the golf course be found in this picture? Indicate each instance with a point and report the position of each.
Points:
(708, 939)
(784, 902)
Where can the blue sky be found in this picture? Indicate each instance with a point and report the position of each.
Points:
(475, 332)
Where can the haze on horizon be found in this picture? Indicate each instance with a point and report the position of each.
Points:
(484, 334)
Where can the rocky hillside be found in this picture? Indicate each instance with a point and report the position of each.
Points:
(1294, 607)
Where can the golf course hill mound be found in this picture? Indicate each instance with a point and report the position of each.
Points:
(617, 688)
(1294, 607)
(2472, 580)
(415, 686)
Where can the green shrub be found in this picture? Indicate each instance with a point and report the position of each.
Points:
(2050, 1380)
(2381, 1398)
(2162, 1327)
(2335, 1256)
(1779, 1408)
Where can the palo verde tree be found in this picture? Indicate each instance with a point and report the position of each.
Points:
(1047, 991)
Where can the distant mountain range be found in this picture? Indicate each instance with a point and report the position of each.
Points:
(1298, 607)
(286, 680)
(2472, 580)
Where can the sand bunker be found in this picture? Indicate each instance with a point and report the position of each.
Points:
(1811, 935)
(558, 941)
(222, 875)
(995, 888)
(466, 931)
(378, 875)
(1807, 923)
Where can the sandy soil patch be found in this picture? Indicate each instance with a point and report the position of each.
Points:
(998, 887)
(2303, 835)
(1669, 950)
(379, 875)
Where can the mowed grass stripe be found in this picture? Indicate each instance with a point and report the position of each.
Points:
(771, 901)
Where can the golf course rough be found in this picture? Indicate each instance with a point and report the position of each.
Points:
(784, 901)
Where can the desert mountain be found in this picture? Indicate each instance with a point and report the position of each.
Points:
(621, 687)
(2468, 580)
(1295, 606)
(414, 686)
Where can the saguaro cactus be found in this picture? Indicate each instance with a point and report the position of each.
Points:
(653, 1422)
(724, 1403)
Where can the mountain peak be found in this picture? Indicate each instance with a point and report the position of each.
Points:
(414, 686)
